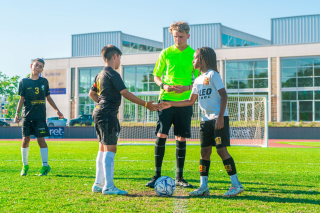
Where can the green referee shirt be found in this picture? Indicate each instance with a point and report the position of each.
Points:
(177, 68)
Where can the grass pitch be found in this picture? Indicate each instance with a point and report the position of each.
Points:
(275, 180)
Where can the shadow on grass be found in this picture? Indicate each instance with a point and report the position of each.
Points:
(76, 176)
(268, 199)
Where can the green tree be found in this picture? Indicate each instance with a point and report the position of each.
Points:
(8, 86)
(12, 106)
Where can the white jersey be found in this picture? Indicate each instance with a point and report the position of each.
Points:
(206, 86)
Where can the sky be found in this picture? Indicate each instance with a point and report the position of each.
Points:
(32, 29)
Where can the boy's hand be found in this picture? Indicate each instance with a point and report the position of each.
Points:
(180, 89)
(168, 88)
(16, 119)
(151, 106)
(164, 105)
(219, 123)
(59, 114)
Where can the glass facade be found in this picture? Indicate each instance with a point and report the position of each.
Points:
(139, 78)
(300, 86)
(231, 41)
(246, 74)
(130, 47)
(86, 79)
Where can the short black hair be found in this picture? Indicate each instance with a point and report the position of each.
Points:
(108, 51)
(209, 56)
(40, 60)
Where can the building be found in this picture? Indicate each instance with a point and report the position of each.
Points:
(286, 68)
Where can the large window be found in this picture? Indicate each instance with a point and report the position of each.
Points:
(304, 72)
(231, 41)
(131, 47)
(86, 79)
(247, 74)
(300, 85)
(139, 78)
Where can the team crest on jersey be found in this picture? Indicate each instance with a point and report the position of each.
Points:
(206, 81)
(42, 87)
(202, 168)
(218, 140)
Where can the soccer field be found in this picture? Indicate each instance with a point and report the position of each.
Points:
(274, 179)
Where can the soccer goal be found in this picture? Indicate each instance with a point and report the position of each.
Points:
(248, 115)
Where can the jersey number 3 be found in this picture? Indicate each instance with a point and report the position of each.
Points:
(36, 90)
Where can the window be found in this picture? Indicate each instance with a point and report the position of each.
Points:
(231, 41)
(139, 78)
(86, 80)
(247, 74)
(131, 47)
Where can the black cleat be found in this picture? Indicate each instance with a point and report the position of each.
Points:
(152, 182)
(183, 183)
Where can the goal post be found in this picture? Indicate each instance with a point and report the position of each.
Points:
(248, 116)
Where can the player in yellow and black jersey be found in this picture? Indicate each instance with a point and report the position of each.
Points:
(34, 91)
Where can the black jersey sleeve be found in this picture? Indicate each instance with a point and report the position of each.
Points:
(47, 88)
(118, 82)
(94, 86)
(21, 90)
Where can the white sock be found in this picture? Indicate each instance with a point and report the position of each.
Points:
(25, 154)
(108, 168)
(234, 179)
(99, 168)
(44, 156)
(204, 181)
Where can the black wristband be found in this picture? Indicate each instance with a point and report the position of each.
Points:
(162, 85)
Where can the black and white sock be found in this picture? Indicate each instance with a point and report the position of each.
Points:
(180, 157)
(159, 150)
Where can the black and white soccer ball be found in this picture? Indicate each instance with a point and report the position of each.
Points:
(165, 186)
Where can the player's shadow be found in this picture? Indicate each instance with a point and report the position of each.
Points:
(268, 199)
(76, 176)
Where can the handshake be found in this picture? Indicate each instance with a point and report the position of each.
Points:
(150, 105)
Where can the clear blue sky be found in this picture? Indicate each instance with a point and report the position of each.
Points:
(31, 29)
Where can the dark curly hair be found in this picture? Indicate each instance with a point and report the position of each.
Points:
(209, 56)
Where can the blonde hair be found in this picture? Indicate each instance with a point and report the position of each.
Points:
(180, 26)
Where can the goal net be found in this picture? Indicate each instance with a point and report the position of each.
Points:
(247, 114)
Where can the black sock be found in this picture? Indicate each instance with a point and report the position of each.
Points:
(180, 157)
(230, 166)
(158, 154)
(204, 166)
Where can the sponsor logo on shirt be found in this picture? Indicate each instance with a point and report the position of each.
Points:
(42, 87)
(218, 140)
(228, 168)
(206, 81)
(29, 88)
(37, 102)
(205, 93)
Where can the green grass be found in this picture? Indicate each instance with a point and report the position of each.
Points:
(309, 144)
(275, 180)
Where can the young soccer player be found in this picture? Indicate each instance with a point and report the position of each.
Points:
(106, 92)
(175, 63)
(34, 91)
(214, 127)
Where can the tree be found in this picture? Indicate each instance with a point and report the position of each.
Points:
(8, 86)
(12, 106)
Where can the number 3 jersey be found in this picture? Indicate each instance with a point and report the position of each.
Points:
(34, 93)
(206, 86)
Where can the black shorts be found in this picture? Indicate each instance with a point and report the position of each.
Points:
(37, 128)
(107, 130)
(209, 136)
(180, 117)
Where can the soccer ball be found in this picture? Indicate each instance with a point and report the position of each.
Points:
(165, 186)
